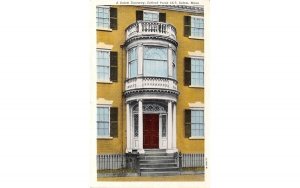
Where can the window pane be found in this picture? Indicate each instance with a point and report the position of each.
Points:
(103, 121)
(103, 62)
(133, 69)
(155, 61)
(197, 69)
(155, 68)
(148, 16)
(102, 17)
(158, 53)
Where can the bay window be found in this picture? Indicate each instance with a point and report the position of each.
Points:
(155, 61)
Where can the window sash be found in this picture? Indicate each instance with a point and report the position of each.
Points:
(151, 16)
(103, 17)
(132, 62)
(155, 68)
(197, 123)
(103, 121)
(103, 65)
(197, 72)
(197, 27)
(155, 61)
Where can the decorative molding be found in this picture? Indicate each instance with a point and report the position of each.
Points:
(102, 45)
(151, 91)
(197, 104)
(151, 107)
(152, 37)
(196, 54)
(199, 9)
(104, 101)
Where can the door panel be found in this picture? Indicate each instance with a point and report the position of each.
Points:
(150, 130)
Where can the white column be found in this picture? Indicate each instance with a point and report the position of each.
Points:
(170, 71)
(141, 150)
(174, 136)
(169, 130)
(140, 59)
(127, 66)
(128, 129)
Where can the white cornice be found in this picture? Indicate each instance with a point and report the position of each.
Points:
(181, 8)
(102, 45)
(197, 104)
(104, 101)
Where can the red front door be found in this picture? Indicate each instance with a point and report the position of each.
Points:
(150, 130)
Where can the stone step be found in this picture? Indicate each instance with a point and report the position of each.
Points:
(156, 157)
(155, 150)
(155, 161)
(158, 169)
(158, 154)
(162, 173)
(155, 165)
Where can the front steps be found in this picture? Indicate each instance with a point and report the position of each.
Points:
(156, 162)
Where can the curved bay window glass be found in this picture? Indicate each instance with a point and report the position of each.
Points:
(155, 61)
(174, 63)
(132, 62)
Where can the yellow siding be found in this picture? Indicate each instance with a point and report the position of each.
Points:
(114, 91)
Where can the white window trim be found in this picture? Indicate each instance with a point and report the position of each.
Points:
(194, 37)
(198, 86)
(101, 28)
(104, 81)
(151, 11)
(197, 38)
(198, 137)
(105, 137)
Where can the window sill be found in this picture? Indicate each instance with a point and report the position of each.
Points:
(195, 86)
(104, 29)
(104, 82)
(105, 138)
(197, 38)
(197, 138)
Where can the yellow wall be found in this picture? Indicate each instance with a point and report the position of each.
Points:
(114, 91)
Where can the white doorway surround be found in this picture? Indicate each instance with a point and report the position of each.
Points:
(166, 124)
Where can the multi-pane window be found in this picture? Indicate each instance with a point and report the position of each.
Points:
(103, 121)
(155, 61)
(197, 27)
(103, 65)
(136, 125)
(132, 62)
(197, 123)
(197, 72)
(151, 16)
(163, 125)
(102, 16)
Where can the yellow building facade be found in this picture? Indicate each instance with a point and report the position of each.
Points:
(150, 79)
